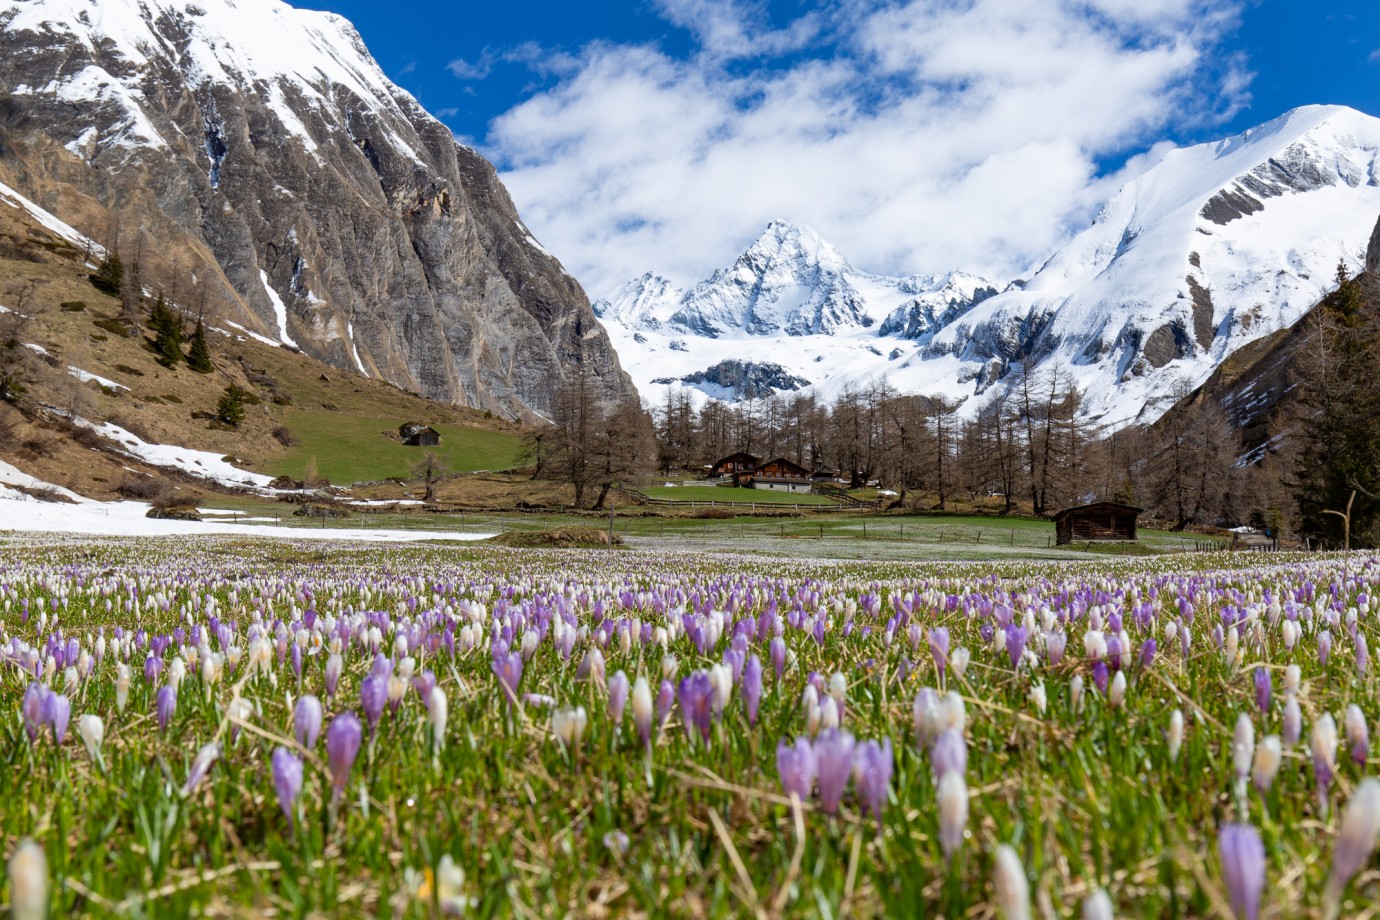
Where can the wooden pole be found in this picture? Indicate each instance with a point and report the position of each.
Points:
(1346, 521)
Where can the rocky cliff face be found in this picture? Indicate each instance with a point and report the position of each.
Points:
(255, 159)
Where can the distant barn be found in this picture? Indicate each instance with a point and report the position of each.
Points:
(779, 475)
(1097, 522)
(417, 435)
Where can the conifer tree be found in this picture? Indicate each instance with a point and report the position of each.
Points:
(110, 275)
(199, 358)
(167, 327)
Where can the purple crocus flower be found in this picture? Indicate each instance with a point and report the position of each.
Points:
(343, 737)
(948, 753)
(1324, 647)
(287, 779)
(334, 666)
(153, 666)
(1015, 643)
(1243, 868)
(1355, 843)
(32, 708)
(752, 687)
(795, 764)
(1100, 676)
(57, 712)
(1264, 689)
(201, 765)
(1055, 644)
(165, 703)
(423, 683)
(1147, 653)
(834, 765)
(697, 704)
(939, 647)
(508, 668)
(777, 653)
(665, 699)
(373, 696)
(618, 696)
(306, 721)
(1362, 655)
(872, 775)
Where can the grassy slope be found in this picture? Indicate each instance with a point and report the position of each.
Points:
(338, 419)
(717, 494)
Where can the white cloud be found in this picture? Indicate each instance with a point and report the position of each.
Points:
(916, 136)
(1375, 56)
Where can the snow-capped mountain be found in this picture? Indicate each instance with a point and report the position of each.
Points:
(790, 300)
(1211, 248)
(260, 149)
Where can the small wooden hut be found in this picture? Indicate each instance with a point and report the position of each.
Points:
(779, 475)
(414, 434)
(1097, 522)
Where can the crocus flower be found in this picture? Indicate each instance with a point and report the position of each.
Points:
(777, 653)
(1116, 693)
(287, 780)
(1176, 734)
(953, 811)
(28, 871)
(618, 696)
(91, 729)
(373, 696)
(31, 708)
(642, 709)
(665, 699)
(1357, 733)
(1243, 868)
(1076, 693)
(1293, 723)
(343, 737)
(1242, 749)
(958, 662)
(925, 715)
(508, 668)
(1324, 647)
(1362, 655)
(872, 766)
(437, 712)
(1098, 906)
(1012, 888)
(201, 764)
(335, 665)
(795, 765)
(306, 721)
(1268, 754)
(697, 704)
(57, 712)
(165, 704)
(834, 765)
(948, 753)
(569, 726)
(1016, 637)
(752, 687)
(1262, 689)
(1356, 841)
(939, 647)
(121, 686)
(1324, 747)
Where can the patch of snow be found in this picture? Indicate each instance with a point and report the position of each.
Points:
(119, 519)
(84, 376)
(354, 352)
(38, 349)
(13, 476)
(279, 310)
(202, 463)
(16, 200)
(254, 335)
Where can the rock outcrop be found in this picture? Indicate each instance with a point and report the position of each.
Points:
(257, 163)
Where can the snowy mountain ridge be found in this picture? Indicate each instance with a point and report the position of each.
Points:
(1211, 248)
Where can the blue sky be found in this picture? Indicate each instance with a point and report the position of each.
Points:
(917, 135)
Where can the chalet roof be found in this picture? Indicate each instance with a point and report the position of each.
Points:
(738, 455)
(785, 464)
(1103, 506)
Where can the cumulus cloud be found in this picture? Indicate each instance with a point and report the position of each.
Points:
(917, 136)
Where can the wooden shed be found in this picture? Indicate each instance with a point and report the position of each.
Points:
(414, 434)
(1097, 522)
(780, 475)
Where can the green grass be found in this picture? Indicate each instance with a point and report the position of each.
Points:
(743, 496)
(352, 448)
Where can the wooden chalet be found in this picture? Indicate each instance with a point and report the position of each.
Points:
(779, 475)
(1097, 522)
(740, 462)
(414, 434)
